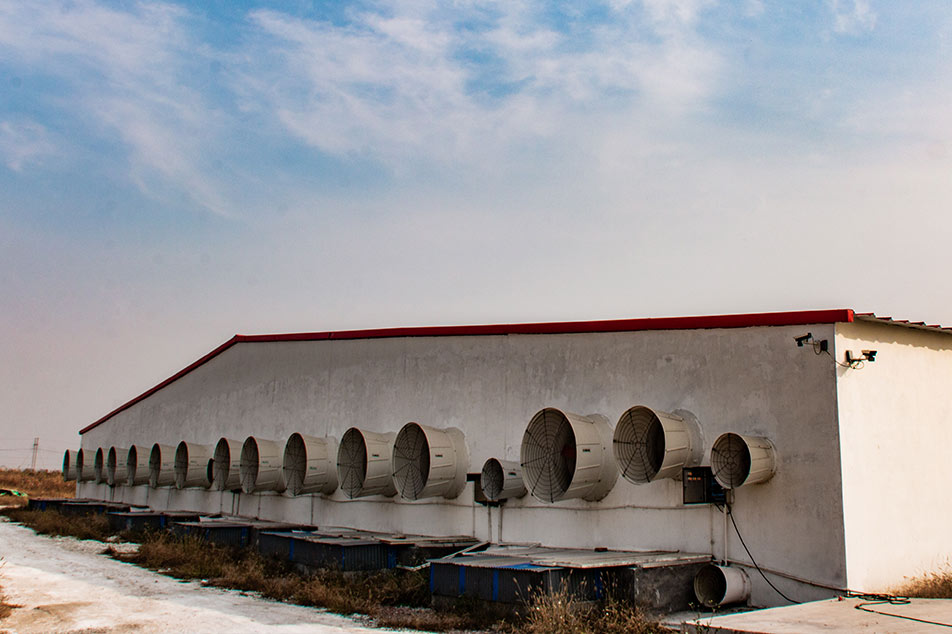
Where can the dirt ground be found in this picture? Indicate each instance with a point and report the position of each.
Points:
(66, 585)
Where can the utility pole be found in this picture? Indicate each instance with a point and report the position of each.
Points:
(36, 446)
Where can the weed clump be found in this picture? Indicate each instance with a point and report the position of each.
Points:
(931, 585)
(35, 483)
(560, 612)
(52, 523)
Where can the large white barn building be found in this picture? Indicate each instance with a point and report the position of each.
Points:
(838, 455)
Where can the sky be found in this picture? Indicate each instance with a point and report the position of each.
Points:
(174, 173)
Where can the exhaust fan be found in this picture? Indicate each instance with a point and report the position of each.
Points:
(69, 465)
(99, 466)
(262, 467)
(737, 460)
(308, 465)
(191, 465)
(227, 465)
(84, 466)
(363, 463)
(650, 444)
(501, 480)
(566, 455)
(429, 462)
(161, 466)
(715, 585)
(115, 467)
(137, 465)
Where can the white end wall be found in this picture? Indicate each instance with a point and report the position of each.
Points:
(896, 441)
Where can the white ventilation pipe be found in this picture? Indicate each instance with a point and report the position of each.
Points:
(99, 466)
(262, 466)
(429, 462)
(191, 465)
(309, 464)
(364, 463)
(161, 466)
(69, 465)
(737, 460)
(501, 480)
(137, 465)
(228, 465)
(649, 444)
(567, 455)
(715, 586)
(84, 466)
(116, 461)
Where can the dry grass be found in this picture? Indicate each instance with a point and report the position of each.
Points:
(37, 484)
(54, 523)
(931, 585)
(5, 608)
(559, 612)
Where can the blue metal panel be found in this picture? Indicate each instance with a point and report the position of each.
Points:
(462, 580)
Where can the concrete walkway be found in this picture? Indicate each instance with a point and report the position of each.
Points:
(833, 616)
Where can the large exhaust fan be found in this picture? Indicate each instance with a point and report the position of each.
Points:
(84, 466)
(650, 444)
(501, 480)
(227, 465)
(309, 465)
(116, 461)
(262, 466)
(429, 462)
(737, 460)
(567, 455)
(716, 586)
(161, 466)
(137, 465)
(364, 463)
(191, 465)
(69, 465)
(99, 466)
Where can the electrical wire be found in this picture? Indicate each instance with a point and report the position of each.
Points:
(730, 514)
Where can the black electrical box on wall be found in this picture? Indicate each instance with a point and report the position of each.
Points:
(700, 487)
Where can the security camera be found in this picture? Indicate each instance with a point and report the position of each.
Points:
(870, 355)
(802, 339)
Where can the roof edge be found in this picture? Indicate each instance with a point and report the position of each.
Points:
(746, 320)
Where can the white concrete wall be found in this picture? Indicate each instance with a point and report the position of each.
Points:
(752, 381)
(896, 440)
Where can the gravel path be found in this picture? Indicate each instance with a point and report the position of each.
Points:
(66, 585)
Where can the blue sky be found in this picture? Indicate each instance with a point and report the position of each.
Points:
(173, 173)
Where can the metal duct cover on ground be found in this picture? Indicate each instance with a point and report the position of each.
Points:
(567, 455)
(69, 465)
(99, 466)
(161, 466)
(650, 444)
(262, 466)
(309, 464)
(715, 585)
(737, 460)
(429, 462)
(116, 461)
(501, 480)
(137, 465)
(191, 465)
(364, 463)
(227, 465)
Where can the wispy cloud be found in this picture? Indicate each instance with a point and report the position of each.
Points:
(852, 17)
(23, 143)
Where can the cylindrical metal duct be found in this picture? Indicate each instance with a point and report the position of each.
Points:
(161, 466)
(228, 465)
(262, 466)
(715, 585)
(137, 465)
(650, 445)
(99, 466)
(364, 463)
(737, 460)
(309, 464)
(210, 471)
(84, 465)
(191, 465)
(501, 479)
(429, 462)
(69, 465)
(567, 455)
(116, 461)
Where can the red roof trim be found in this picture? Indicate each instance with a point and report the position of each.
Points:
(795, 318)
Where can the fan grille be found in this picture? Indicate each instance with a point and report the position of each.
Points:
(352, 462)
(132, 464)
(548, 455)
(639, 445)
(730, 460)
(98, 466)
(155, 466)
(181, 464)
(222, 466)
(249, 465)
(411, 461)
(295, 463)
(492, 479)
(111, 466)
